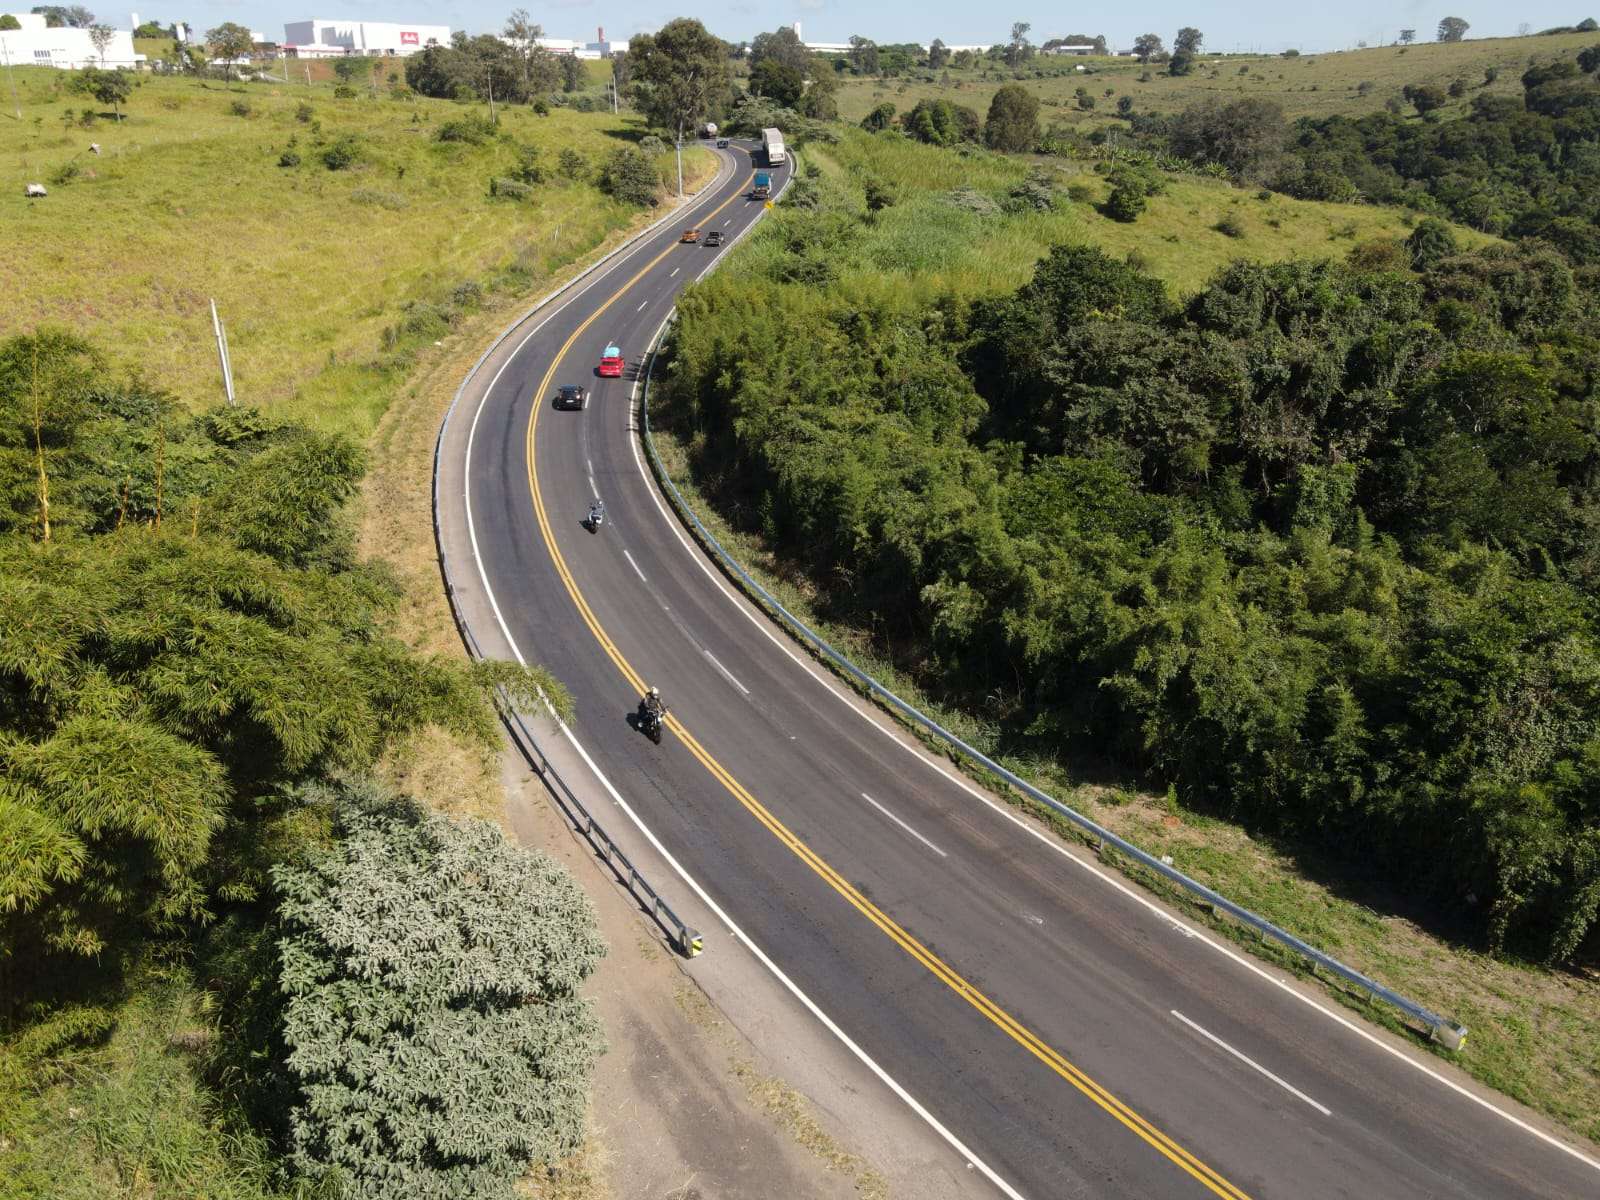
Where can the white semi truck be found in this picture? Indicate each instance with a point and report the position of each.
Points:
(772, 146)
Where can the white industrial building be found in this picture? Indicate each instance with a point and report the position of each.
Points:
(37, 45)
(322, 38)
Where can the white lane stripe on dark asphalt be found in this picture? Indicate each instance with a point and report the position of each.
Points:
(641, 307)
(726, 674)
(675, 270)
(1250, 1062)
(904, 826)
(635, 567)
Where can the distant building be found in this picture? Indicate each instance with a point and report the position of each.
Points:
(1071, 48)
(37, 45)
(323, 38)
(604, 48)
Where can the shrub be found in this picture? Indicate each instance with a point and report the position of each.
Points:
(879, 118)
(303, 112)
(509, 189)
(1490, 74)
(541, 108)
(651, 144)
(879, 195)
(630, 177)
(341, 153)
(419, 954)
(344, 91)
(474, 129)
(240, 108)
(572, 165)
(393, 201)
(1291, 52)
(1126, 202)
(1457, 88)
(1037, 192)
(1230, 225)
(973, 201)
(67, 172)
(1429, 242)
(289, 158)
(529, 169)
(1124, 105)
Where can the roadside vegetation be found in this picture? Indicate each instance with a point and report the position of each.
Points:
(1296, 543)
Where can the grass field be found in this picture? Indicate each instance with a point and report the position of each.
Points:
(1312, 85)
(186, 201)
(925, 245)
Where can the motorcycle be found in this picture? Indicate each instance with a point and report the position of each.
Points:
(596, 518)
(650, 721)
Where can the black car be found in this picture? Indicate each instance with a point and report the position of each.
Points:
(722, 143)
(572, 396)
(714, 238)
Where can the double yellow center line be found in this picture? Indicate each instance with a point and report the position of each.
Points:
(1013, 1028)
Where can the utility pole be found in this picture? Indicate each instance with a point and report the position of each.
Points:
(308, 76)
(12, 80)
(222, 354)
(679, 148)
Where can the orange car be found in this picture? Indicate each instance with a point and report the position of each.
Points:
(690, 235)
(611, 362)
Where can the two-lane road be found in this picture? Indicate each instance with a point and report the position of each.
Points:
(1078, 1039)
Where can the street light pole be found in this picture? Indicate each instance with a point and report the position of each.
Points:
(679, 148)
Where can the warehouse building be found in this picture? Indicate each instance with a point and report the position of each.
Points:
(323, 38)
(37, 45)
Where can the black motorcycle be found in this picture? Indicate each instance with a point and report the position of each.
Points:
(650, 721)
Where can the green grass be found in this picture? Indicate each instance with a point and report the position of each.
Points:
(1312, 85)
(923, 246)
(128, 1117)
(186, 202)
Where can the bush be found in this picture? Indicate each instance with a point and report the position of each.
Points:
(418, 955)
(879, 118)
(572, 165)
(474, 130)
(240, 108)
(378, 198)
(1457, 88)
(1126, 202)
(651, 144)
(1124, 105)
(289, 158)
(303, 112)
(343, 91)
(1291, 52)
(630, 177)
(343, 152)
(879, 195)
(1429, 242)
(1230, 225)
(509, 189)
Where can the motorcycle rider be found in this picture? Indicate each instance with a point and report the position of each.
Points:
(652, 709)
(597, 512)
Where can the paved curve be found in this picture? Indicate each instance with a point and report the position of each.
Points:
(1079, 1041)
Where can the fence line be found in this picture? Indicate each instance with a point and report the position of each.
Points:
(1451, 1034)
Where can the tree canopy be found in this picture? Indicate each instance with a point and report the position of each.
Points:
(680, 74)
(1013, 124)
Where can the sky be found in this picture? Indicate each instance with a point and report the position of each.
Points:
(1252, 24)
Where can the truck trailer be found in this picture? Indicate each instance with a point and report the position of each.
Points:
(772, 146)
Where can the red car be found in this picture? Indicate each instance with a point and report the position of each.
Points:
(611, 363)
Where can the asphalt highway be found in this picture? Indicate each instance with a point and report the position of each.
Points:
(1079, 1040)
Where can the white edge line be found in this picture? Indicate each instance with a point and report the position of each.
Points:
(726, 674)
(738, 934)
(904, 826)
(1250, 1062)
(758, 617)
(635, 567)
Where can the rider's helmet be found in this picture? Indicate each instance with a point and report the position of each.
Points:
(656, 692)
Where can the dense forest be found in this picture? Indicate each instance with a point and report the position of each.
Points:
(1319, 545)
(196, 679)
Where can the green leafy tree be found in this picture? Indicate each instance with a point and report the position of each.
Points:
(433, 1022)
(864, 58)
(775, 80)
(938, 55)
(1188, 41)
(1407, 36)
(1589, 59)
(100, 37)
(782, 46)
(941, 123)
(679, 74)
(9, 22)
(1147, 45)
(1013, 124)
(107, 87)
(572, 77)
(70, 16)
(1245, 135)
(1018, 49)
(229, 41)
(352, 69)
(880, 118)
(1425, 97)
(630, 176)
(1452, 29)
(1181, 63)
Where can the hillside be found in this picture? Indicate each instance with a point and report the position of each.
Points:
(1311, 85)
(187, 200)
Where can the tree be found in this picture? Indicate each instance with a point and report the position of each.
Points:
(523, 33)
(678, 74)
(863, 55)
(630, 176)
(1182, 63)
(1188, 41)
(1146, 46)
(229, 41)
(417, 954)
(352, 69)
(1429, 242)
(1425, 97)
(1013, 124)
(1589, 59)
(72, 16)
(107, 87)
(571, 72)
(9, 22)
(100, 37)
(879, 118)
(784, 46)
(938, 55)
(1127, 198)
(1452, 29)
(1245, 135)
(777, 81)
(941, 123)
(1407, 36)
(1018, 49)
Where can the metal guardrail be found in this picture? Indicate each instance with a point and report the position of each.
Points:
(1450, 1034)
(688, 940)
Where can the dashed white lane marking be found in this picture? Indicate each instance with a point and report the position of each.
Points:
(1250, 1062)
(635, 567)
(675, 270)
(726, 674)
(904, 826)
(641, 307)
